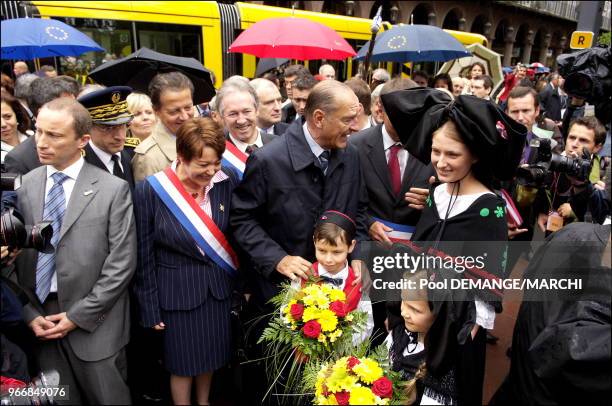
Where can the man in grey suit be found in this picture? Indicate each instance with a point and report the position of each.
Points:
(79, 306)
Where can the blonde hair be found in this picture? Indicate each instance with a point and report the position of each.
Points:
(137, 102)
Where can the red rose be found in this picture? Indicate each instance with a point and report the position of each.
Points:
(351, 362)
(383, 387)
(342, 397)
(339, 308)
(297, 310)
(312, 329)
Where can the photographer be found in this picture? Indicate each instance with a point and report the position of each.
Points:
(566, 199)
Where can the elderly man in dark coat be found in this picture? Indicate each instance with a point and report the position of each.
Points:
(289, 182)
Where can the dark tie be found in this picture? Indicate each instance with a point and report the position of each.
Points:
(324, 160)
(332, 281)
(249, 149)
(117, 171)
(394, 169)
(55, 206)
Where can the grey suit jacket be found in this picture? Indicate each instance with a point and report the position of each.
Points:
(95, 259)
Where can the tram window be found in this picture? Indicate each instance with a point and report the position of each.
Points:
(113, 35)
(171, 39)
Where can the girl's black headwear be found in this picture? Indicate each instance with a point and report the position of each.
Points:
(495, 138)
(341, 220)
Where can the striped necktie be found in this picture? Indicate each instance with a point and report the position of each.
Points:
(55, 206)
(324, 160)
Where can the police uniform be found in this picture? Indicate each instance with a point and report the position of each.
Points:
(108, 107)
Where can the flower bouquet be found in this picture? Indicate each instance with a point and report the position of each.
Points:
(355, 380)
(314, 322)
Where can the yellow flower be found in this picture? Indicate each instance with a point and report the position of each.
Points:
(337, 294)
(381, 401)
(361, 396)
(339, 378)
(334, 336)
(315, 297)
(328, 320)
(368, 370)
(327, 289)
(310, 313)
(322, 338)
(348, 317)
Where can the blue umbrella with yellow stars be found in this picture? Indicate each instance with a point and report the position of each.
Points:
(414, 43)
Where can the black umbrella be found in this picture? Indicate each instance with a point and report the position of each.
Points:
(267, 64)
(136, 71)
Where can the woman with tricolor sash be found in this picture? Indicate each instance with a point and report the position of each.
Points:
(186, 266)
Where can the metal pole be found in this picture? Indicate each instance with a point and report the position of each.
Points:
(374, 28)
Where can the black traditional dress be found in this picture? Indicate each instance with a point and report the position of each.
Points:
(479, 230)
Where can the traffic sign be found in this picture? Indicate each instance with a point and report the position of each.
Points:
(581, 40)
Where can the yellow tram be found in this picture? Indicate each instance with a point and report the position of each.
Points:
(199, 29)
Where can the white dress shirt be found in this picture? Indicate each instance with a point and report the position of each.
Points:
(402, 155)
(314, 147)
(6, 148)
(106, 158)
(242, 146)
(72, 172)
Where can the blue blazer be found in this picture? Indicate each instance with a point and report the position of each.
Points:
(173, 273)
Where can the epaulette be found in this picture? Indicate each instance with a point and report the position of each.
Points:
(145, 145)
(132, 142)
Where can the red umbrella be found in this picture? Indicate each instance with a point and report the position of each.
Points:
(293, 38)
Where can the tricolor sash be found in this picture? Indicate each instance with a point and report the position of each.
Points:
(193, 218)
(234, 158)
(512, 214)
(400, 233)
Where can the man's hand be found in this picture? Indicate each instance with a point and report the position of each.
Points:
(565, 210)
(358, 269)
(63, 326)
(600, 185)
(378, 232)
(542, 220)
(160, 326)
(9, 256)
(294, 267)
(416, 197)
(513, 231)
(39, 326)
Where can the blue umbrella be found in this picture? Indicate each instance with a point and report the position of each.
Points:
(414, 43)
(31, 38)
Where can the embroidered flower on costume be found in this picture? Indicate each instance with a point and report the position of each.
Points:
(501, 129)
(499, 212)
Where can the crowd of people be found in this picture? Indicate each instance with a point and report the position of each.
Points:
(173, 220)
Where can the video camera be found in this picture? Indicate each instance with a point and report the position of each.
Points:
(587, 75)
(546, 163)
(13, 232)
